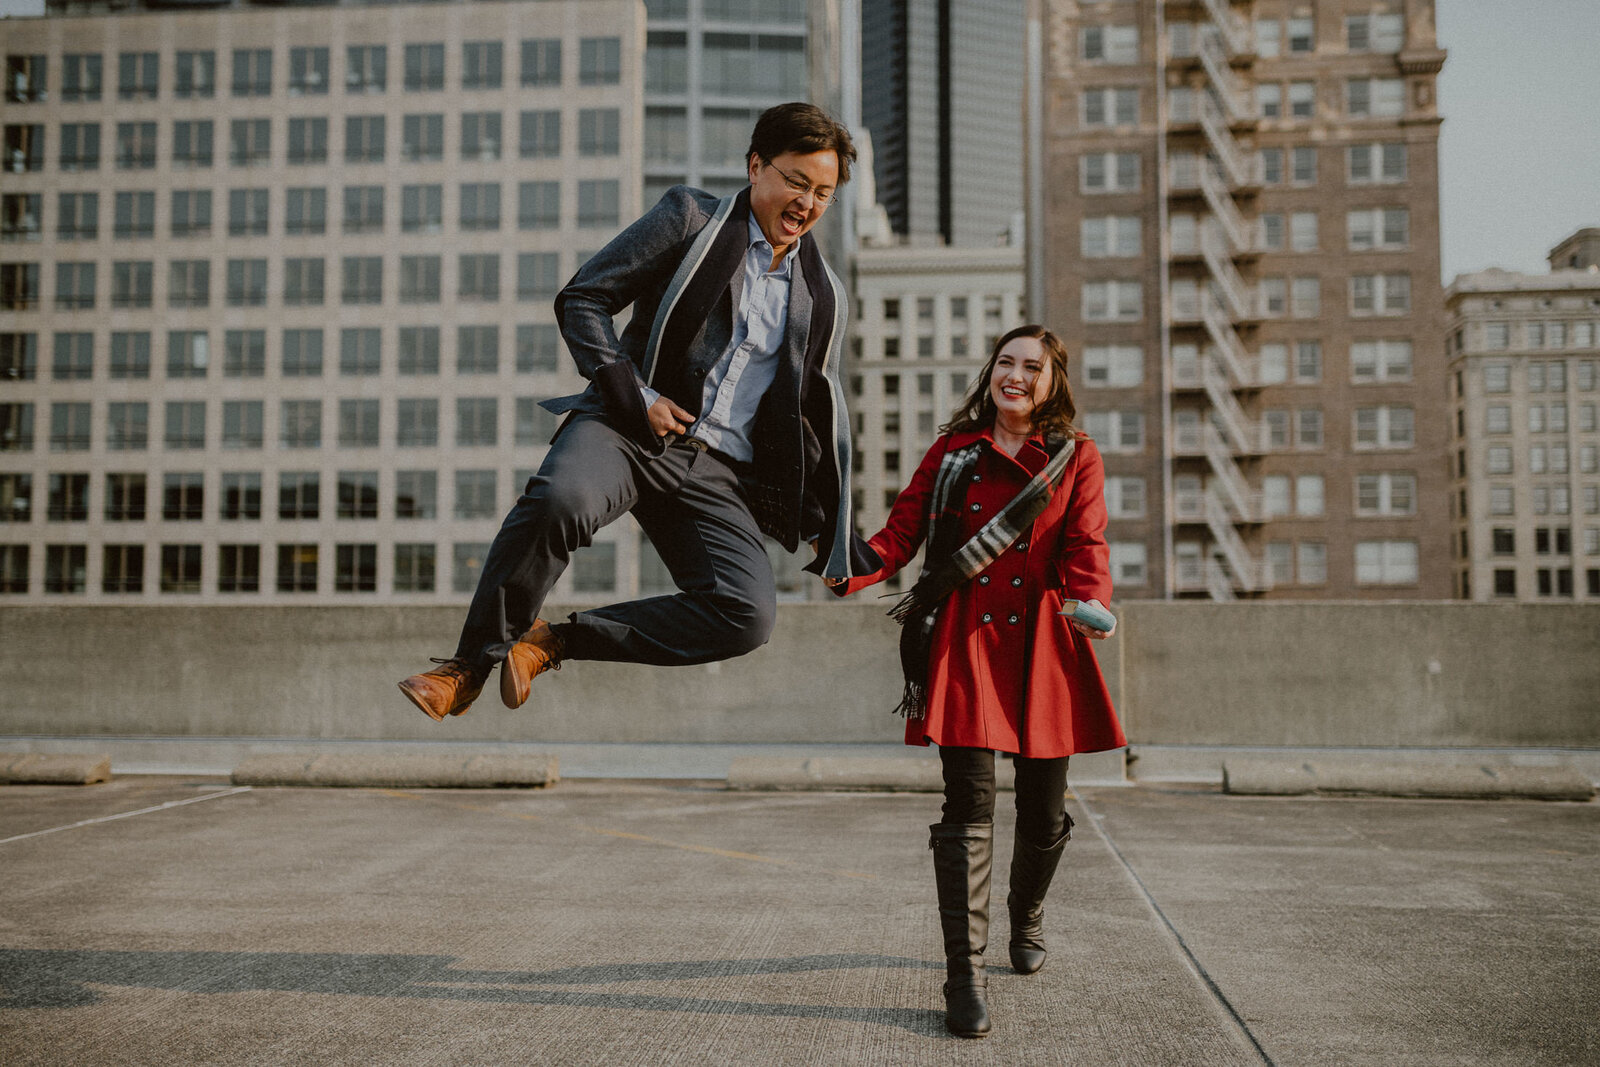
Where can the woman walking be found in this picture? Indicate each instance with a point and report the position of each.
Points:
(1010, 500)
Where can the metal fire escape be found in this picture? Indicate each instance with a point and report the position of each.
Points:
(1210, 175)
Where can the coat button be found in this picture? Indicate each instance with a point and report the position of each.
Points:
(977, 477)
(1016, 581)
(977, 507)
(1012, 620)
(983, 579)
(987, 617)
(1022, 546)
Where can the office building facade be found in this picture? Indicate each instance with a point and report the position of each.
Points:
(1524, 352)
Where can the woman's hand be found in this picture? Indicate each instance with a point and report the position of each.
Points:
(1090, 631)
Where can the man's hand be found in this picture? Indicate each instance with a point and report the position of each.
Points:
(666, 417)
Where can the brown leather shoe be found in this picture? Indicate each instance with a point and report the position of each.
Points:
(448, 689)
(537, 651)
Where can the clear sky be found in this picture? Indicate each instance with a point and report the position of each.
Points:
(1520, 147)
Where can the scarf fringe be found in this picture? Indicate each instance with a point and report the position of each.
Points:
(913, 701)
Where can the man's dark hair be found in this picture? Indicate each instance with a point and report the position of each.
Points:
(801, 128)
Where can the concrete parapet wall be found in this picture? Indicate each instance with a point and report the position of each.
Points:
(1286, 674)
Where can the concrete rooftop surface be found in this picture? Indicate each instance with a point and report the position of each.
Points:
(180, 920)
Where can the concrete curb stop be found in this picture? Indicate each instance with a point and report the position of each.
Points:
(481, 771)
(849, 773)
(36, 768)
(1277, 777)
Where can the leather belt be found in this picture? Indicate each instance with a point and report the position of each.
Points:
(735, 465)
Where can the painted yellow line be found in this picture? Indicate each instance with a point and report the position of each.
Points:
(628, 835)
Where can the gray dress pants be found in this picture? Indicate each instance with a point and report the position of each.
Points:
(689, 505)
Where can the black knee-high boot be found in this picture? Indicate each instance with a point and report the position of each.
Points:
(1032, 868)
(962, 855)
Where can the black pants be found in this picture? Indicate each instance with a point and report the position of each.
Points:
(689, 505)
(1041, 792)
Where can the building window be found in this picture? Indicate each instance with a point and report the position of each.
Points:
(467, 560)
(538, 205)
(300, 424)
(302, 354)
(19, 285)
(538, 275)
(13, 568)
(1380, 294)
(69, 498)
(538, 348)
(414, 568)
(252, 72)
(363, 138)
(193, 146)
(480, 136)
(541, 62)
(421, 208)
(83, 77)
(1386, 494)
(1305, 297)
(599, 202)
(299, 494)
(482, 64)
(419, 350)
(360, 352)
(1115, 431)
(1269, 100)
(1109, 172)
(420, 279)
(191, 213)
(366, 68)
(138, 75)
(1379, 228)
(74, 357)
(247, 283)
(241, 495)
(477, 422)
(599, 131)
(1376, 97)
(238, 568)
(308, 141)
(297, 568)
(416, 494)
(1380, 361)
(308, 73)
(244, 354)
(358, 423)
(80, 146)
(1383, 33)
(303, 281)
(1389, 427)
(16, 498)
(424, 68)
(1111, 235)
(305, 212)
(16, 427)
(599, 60)
(358, 495)
(540, 134)
(363, 209)
(1128, 563)
(69, 426)
(475, 494)
(75, 287)
(1375, 164)
(1109, 44)
(65, 569)
(477, 349)
(24, 148)
(242, 424)
(1303, 165)
(196, 76)
(1113, 301)
(355, 568)
(418, 423)
(362, 280)
(1302, 99)
(250, 142)
(422, 138)
(1386, 562)
(125, 498)
(183, 497)
(19, 356)
(21, 217)
(1113, 366)
(25, 79)
(1109, 106)
(478, 277)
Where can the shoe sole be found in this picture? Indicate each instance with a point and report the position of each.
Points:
(508, 686)
(421, 706)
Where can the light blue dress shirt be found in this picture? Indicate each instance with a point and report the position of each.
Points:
(736, 383)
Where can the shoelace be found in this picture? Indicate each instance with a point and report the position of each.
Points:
(453, 667)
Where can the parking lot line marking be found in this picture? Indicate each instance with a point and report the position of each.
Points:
(1192, 961)
(126, 814)
(629, 835)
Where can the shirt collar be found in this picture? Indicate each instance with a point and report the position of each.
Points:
(759, 240)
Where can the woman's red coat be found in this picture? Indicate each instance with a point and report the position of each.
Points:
(1008, 672)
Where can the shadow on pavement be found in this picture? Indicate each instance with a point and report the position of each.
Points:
(51, 978)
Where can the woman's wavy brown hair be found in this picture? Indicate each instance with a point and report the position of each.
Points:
(1053, 417)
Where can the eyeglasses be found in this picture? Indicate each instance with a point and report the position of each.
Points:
(800, 187)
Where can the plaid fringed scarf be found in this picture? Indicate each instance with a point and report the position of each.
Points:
(948, 563)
